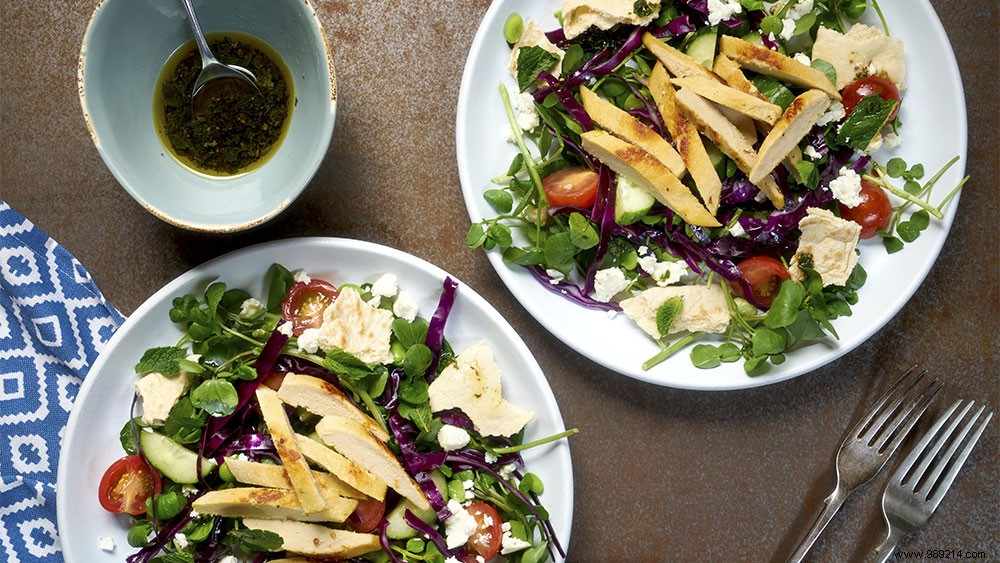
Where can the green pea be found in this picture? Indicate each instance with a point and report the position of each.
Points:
(513, 27)
(225, 474)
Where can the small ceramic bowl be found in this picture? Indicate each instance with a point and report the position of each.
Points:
(126, 46)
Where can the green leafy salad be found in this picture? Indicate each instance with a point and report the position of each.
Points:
(706, 168)
(326, 422)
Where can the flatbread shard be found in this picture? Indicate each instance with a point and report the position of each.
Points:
(650, 174)
(316, 540)
(295, 464)
(324, 398)
(355, 442)
(686, 138)
(797, 120)
(772, 63)
(622, 125)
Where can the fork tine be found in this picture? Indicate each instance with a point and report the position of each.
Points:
(905, 469)
(918, 477)
(905, 382)
(938, 491)
(896, 430)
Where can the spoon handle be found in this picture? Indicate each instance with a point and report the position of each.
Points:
(199, 37)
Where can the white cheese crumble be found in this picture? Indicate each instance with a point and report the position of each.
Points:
(846, 187)
(722, 10)
(490, 458)
(251, 308)
(875, 144)
(405, 306)
(663, 273)
(460, 526)
(180, 540)
(527, 116)
(453, 438)
(787, 28)
(385, 286)
(300, 276)
(506, 471)
(555, 276)
(801, 8)
(834, 113)
(229, 559)
(612, 313)
(737, 230)
(812, 153)
(285, 328)
(891, 139)
(608, 283)
(159, 394)
(309, 341)
(509, 543)
(802, 58)
(106, 544)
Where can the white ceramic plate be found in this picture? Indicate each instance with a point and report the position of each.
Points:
(934, 130)
(91, 442)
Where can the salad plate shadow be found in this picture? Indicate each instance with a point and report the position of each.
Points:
(932, 133)
(91, 442)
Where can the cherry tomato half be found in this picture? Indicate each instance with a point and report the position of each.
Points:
(874, 211)
(366, 516)
(575, 186)
(883, 87)
(764, 274)
(305, 304)
(127, 484)
(485, 542)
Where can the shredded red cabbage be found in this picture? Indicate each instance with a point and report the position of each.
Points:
(456, 418)
(254, 445)
(570, 291)
(677, 26)
(606, 199)
(164, 536)
(417, 464)
(435, 327)
(428, 531)
(599, 65)
(652, 113)
(569, 103)
(383, 541)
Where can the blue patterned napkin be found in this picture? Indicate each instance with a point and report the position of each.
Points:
(53, 323)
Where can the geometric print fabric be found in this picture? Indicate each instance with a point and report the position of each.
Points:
(53, 324)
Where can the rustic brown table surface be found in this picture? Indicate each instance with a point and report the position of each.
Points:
(660, 474)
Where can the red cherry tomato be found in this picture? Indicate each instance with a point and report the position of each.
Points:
(883, 87)
(485, 542)
(575, 186)
(764, 274)
(874, 211)
(366, 516)
(305, 304)
(127, 484)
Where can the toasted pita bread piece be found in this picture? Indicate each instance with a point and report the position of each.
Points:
(732, 98)
(772, 63)
(315, 540)
(353, 440)
(622, 125)
(271, 504)
(711, 123)
(686, 139)
(649, 173)
(274, 476)
(295, 464)
(797, 120)
(324, 398)
(343, 468)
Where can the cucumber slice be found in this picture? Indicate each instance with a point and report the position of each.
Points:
(701, 47)
(398, 529)
(173, 460)
(631, 202)
(715, 155)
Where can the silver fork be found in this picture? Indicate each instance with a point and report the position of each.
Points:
(870, 444)
(917, 487)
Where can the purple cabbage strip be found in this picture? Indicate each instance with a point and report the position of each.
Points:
(435, 328)
(254, 445)
(599, 65)
(677, 26)
(390, 396)
(163, 537)
(769, 43)
(737, 190)
(606, 187)
(700, 6)
(383, 541)
(860, 164)
(570, 291)
(456, 417)
(429, 531)
(569, 103)
(218, 431)
(418, 464)
(651, 109)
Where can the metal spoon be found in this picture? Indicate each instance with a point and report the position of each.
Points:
(214, 75)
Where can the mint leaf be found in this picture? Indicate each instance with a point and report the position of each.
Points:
(865, 121)
(532, 60)
(409, 333)
(824, 66)
(417, 359)
(346, 365)
(667, 312)
(643, 8)
(752, 5)
(175, 557)
(280, 280)
(163, 359)
(256, 540)
(418, 414)
(773, 90)
(216, 396)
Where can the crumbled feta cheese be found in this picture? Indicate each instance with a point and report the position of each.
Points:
(812, 153)
(737, 230)
(180, 540)
(385, 286)
(612, 313)
(467, 485)
(875, 144)
(510, 544)
(453, 438)
(251, 308)
(802, 58)
(704, 309)
(527, 115)
(405, 306)
(506, 471)
(663, 273)
(787, 28)
(460, 526)
(188, 490)
(194, 513)
(106, 544)
(846, 187)
(580, 15)
(555, 276)
(300, 276)
(309, 341)
(285, 328)
(891, 139)
(801, 8)
(722, 10)
(229, 559)
(508, 134)
(834, 113)
(831, 242)
(490, 458)
(608, 283)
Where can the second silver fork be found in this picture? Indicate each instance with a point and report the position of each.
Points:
(870, 444)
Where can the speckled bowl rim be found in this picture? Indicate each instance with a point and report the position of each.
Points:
(196, 226)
